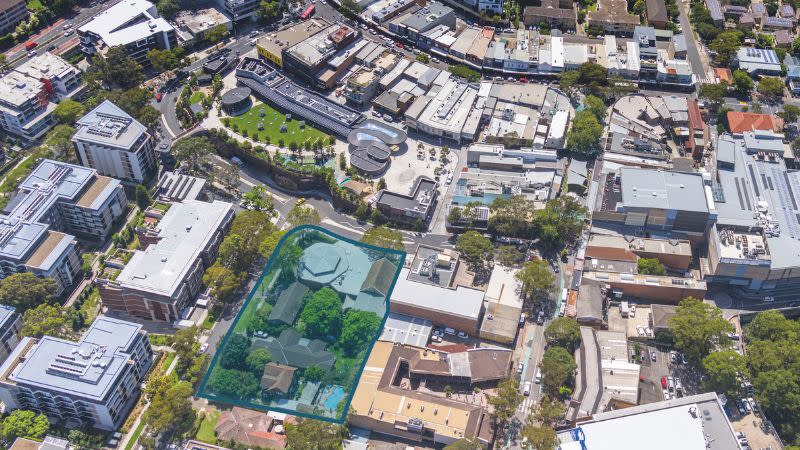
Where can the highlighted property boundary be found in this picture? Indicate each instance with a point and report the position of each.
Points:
(291, 238)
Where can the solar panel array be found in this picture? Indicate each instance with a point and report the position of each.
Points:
(788, 204)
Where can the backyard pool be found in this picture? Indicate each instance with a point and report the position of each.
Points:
(331, 396)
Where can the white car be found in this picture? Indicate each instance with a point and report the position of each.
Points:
(526, 389)
(449, 179)
(463, 335)
(67, 33)
(435, 60)
(520, 368)
(203, 348)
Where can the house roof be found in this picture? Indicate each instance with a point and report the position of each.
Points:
(289, 302)
(656, 10)
(724, 74)
(379, 278)
(739, 122)
(277, 378)
(248, 427)
(293, 350)
(662, 315)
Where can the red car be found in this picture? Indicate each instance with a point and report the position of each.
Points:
(523, 80)
(399, 44)
(159, 96)
(663, 382)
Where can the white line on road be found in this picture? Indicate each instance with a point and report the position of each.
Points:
(332, 223)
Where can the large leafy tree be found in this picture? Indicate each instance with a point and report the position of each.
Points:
(45, 320)
(510, 217)
(508, 255)
(714, 93)
(257, 359)
(322, 314)
(383, 236)
(742, 82)
(59, 139)
(24, 424)
(698, 328)
(222, 281)
(560, 222)
(584, 136)
(725, 370)
(234, 352)
(650, 266)
(726, 44)
(540, 437)
(233, 254)
(771, 325)
(172, 410)
(270, 243)
(68, 111)
(117, 68)
(192, 150)
(505, 401)
(303, 215)
(537, 281)
(359, 328)
(233, 383)
(254, 227)
(465, 444)
(308, 433)
(558, 368)
(217, 34)
(475, 248)
(25, 291)
(771, 87)
(185, 345)
(596, 106)
(563, 332)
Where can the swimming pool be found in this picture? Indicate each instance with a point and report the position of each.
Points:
(332, 395)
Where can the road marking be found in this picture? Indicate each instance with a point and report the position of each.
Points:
(332, 223)
(525, 406)
(167, 127)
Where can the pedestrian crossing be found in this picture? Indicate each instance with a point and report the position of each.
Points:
(525, 406)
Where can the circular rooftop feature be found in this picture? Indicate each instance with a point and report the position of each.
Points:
(236, 100)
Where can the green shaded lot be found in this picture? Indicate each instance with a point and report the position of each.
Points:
(272, 120)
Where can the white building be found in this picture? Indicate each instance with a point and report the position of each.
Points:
(29, 92)
(132, 24)
(10, 329)
(93, 382)
(115, 144)
(55, 199)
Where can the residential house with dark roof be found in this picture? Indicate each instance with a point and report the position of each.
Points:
(715, 10)
(785, 11)
(783, 38)
(374, 289)
(556, 13)
(289, 303)
(735, 11)
(277, 379)
(294, 350)
(657, 13)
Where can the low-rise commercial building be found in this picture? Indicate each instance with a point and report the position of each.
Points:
(115, 144)
(675, 254)
(414, 24)
(417, 206)
(657, 13)
(503, 305)
(193, 24)
(55, 199)
(132, 24)
(758, 61)
(92, 382)
(308, 57)
(164, 277)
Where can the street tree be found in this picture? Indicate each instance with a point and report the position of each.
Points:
(596, 106)
(217, 34)
(116, 68)
(222, 282)
(233, 254)
(771, 87)
(558, 368)
(475, 248)
(69, 111)
(772, 325)
(726, 44)
(790, 113)
(172, 411)
(303, 215)
(549, 411)
(383, 236)
(234, 352)
(508, 255)
(584, 136)
(24, 424)
(742, 82)
(268, 245)
(505, 401)
(194, 151)
(45, 320)
(563, 332)
(540, 437)
(308, 433)
(185, 344)
(322, 314)
(259, 199)
(254, 227)
(538, 282)
(714, 93)
(509, 216)
(560, 222)
(25, 290)
(698, 328)
(725, 370)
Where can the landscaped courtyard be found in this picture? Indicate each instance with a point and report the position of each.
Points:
(304, 334)
(263, 123)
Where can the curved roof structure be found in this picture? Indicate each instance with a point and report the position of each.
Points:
(383, 132)
(235, 96)
(370, 142)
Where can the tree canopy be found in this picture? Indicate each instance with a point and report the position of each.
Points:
(233, 383)
(698, 328)
(560, 222)
(563, 332)
(383, 236)
(714, 93)
(69, 111)
(25, 290)
(650, 266)
(558, 369)
(584, 136)
(222, 282)
(742, 82)
(45, 320)
(725, 370)
(596, 106)
(172, 410)
(475, 248)
(505, 401)
(359, 328)
(537, 281)
(117, 68)
(322, 314)
(234, 352)
(771, 87)
(303, 215)
(24, 424)
(726, 44)
(508, 255)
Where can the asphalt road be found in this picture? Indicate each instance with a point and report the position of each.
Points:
(692, 52)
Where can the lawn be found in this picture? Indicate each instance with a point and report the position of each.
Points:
(206, 431)
(34, 5)
(160, 339)
(272, 121)
(168, 360)
(135, 436)
(197, 97)
(89, 306)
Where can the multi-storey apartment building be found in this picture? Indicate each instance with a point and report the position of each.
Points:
(133, 24)
(55, 199)
(239, 10)
(93, 382)
(114, 143)
(29, 92)
(162, 278)
(12, 12)
(10, 328)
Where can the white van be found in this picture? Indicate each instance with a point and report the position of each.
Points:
(538, 378)
(526, 390)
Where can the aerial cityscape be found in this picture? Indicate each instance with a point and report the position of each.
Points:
(399, 225)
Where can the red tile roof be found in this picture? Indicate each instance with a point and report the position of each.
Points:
(739, 122)
(724, 74)
(695, 118)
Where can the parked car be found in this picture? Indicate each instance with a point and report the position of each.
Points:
(540, 319)
(435, 60)
(449, 331)
(538, 378)
(463, 335)
(653, 356)
(203, 348)
(664, 383)
(632, 311)
(520, 368)
(670, 384)
(673, 357)
(522, 319)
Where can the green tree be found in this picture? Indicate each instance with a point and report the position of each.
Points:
(270, 10)
(778, 393)
(584, 136)
(233, 383)
(254, 227)
(233, 255)
(714, 93)
(217, 34)
(256, 361)
(24, 424)
(192, 150)
(560, 222)
(167, 8)
(476, 249)
(381, 184)
(540, 437)
(725, 370)
(742, 82)
(650, 266)
(537, 281)
(222, 281)
(162, 60)
(505, 401)
(172, 411)
(465, 444)
(698, 328)
(557, 369)
(308, 433)
(59, 140)
(463, 71)
(322, 314)
(25, 290)
(563, 332)
(596, 106)
(508, 255)
(68, 111)
(359, 328)
(259, 199)
(772, 325)
(117, 68)
(790, 113)
(186, 346)
(509, 217)
(726, 44)
(268, 245)
(314, 374)
(549, 411)
(771, 87)
(423, 58)
(234, 352)
(303, 215)
(383, 236)
(143, 198)
(45, 320)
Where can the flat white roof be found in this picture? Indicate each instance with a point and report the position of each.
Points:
(462, 301)
(504, 288)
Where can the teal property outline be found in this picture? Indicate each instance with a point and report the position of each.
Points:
(201, 391)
